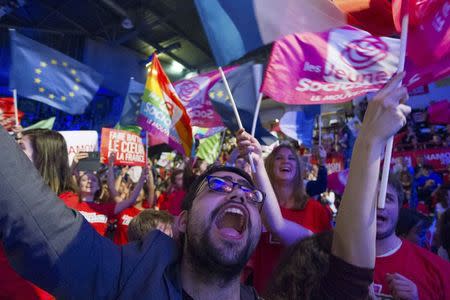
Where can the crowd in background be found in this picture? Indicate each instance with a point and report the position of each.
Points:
(124, 203)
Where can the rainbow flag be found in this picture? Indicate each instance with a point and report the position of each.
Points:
(162, 114)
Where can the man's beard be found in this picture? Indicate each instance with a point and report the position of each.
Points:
(385, 234)
(216, 263)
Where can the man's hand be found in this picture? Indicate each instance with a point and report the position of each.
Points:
(401, 287)
(248, 144)
(386, 113)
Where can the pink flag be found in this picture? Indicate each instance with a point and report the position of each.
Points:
(428, 50)
(193, 93)
(329, 67)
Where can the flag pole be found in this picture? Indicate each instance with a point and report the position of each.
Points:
(319, 120)
(222, 139)
(390, 142)
(255, 116)
(16, 110)
(236, 113)
(147, 137)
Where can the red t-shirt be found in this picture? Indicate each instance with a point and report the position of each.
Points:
(123, 220)
(429, 272)
(12, 285)
(314, 217)
(95, 213)
(172, 202)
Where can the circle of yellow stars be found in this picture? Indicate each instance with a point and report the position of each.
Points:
(42, 66)
(218, 95)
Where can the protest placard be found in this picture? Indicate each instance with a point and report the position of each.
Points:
(127, 146)
(80, 141)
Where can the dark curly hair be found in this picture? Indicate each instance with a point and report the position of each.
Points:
(301, 269)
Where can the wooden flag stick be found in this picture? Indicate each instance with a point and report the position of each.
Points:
(255, 116)
(222, 140)
(236, 113)
(319, 120)
(390, 142)
(16, 110)
(147, 137)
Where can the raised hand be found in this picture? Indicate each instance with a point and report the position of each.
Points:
(386, 113)
(248, 144)
(78, 156)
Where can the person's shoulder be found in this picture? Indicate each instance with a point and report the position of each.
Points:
(431, 259)
(156, 242)
(68, 196)
(153, 262)
(70, 199)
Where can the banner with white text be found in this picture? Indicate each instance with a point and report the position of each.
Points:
(127, 146)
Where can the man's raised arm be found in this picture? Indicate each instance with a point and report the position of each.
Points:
(354, 235)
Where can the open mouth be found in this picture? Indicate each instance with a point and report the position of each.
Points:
(232, 221)
(381, 218)
(285, 169)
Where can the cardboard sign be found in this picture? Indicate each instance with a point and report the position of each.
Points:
(127, 146)
(80, 141)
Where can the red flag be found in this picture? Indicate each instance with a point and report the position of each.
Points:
(428, 48)
(374, 16)
(7, 116)
(416, 9)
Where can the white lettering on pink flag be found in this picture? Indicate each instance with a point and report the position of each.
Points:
(329, 67)
(193, 93)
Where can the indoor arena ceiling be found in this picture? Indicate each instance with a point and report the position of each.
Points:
(171, 27)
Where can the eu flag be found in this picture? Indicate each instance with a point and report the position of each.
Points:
(132, 103)
(46, 75)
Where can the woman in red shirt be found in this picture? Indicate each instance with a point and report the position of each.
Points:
(95, 212)
(143, 196)
(286, 175)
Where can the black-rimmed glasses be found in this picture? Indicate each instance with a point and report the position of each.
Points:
(225, 185)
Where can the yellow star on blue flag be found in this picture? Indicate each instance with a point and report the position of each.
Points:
(46, 75)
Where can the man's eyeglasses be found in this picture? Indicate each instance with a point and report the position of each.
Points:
(225, 185)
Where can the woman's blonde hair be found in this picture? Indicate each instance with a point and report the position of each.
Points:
(300, 198)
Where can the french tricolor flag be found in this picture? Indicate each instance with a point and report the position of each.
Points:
(236, 27)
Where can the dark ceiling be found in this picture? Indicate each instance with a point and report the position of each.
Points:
(171, 27)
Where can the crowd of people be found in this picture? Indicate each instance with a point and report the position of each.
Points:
(225, 231)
